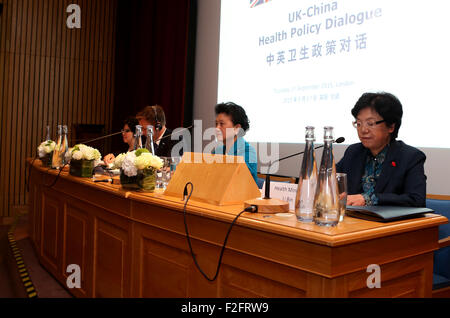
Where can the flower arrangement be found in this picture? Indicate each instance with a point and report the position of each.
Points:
(83, 159)
(45, 148)
(83, 152)
(134, 161)
(45, 152)
(138, 169)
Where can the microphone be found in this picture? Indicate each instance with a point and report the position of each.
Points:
(102, 137)
(119, 132)
(267, 189)
(340, 140)
(337, 141)
(184, 128)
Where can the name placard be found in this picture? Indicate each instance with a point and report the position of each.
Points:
(282, 191)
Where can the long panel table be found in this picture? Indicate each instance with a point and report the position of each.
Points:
(132, 244)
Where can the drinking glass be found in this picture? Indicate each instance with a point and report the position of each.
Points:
(342, 189)
(174, 161)
(163, 174)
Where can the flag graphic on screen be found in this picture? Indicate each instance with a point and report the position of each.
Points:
(254, 3)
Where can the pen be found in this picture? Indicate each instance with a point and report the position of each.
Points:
(103, 180)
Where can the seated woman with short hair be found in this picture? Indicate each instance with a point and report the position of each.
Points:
(381, 170)
(231, 124)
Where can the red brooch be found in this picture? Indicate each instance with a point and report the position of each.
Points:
(393, 164)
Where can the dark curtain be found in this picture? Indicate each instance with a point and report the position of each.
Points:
(154, 60)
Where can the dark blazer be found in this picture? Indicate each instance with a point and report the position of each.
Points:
(164, 149)
(402, 180)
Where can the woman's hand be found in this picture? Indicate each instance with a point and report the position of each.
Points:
(356, 199)
(109, 158)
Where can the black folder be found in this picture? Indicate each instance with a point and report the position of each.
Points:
(384, 213)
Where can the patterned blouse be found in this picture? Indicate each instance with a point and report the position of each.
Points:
(372, 171)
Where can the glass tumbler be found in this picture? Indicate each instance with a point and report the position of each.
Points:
(342, 189)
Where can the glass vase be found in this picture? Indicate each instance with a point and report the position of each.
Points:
(47, 160)
(146, 180)
(129, 183)
(81, 168)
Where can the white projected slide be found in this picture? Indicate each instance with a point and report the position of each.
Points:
(294, 63)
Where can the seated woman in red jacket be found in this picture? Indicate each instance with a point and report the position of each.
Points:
(381, 170)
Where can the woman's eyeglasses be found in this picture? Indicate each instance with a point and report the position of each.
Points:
(124, 131)
(369, 124)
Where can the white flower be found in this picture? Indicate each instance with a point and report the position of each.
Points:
(131, 163)
(146, 160)
(157, 162)
(77, 155)
(118, 161)
(97, 154)
(81, 151)
(128, 165)
(143, 161)
(46, 147)
(88, 152)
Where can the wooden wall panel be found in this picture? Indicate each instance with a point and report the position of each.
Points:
(403, 278)
(78, 247)
(171, 264)
(50, 75)
(112, 257)
(51, 232)
(242, 284)
(163, 261)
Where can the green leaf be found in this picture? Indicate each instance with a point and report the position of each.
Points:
(140, 151)
(75, 148)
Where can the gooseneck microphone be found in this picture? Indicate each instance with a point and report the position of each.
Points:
(101, 137)
(119, 132)
(267, 189)
(337, 141)
(174, 133)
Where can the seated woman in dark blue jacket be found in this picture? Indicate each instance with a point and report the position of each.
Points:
(381, 170)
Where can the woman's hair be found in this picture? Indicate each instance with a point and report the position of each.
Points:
(131, 122)
(236, 112)
(386, 105)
